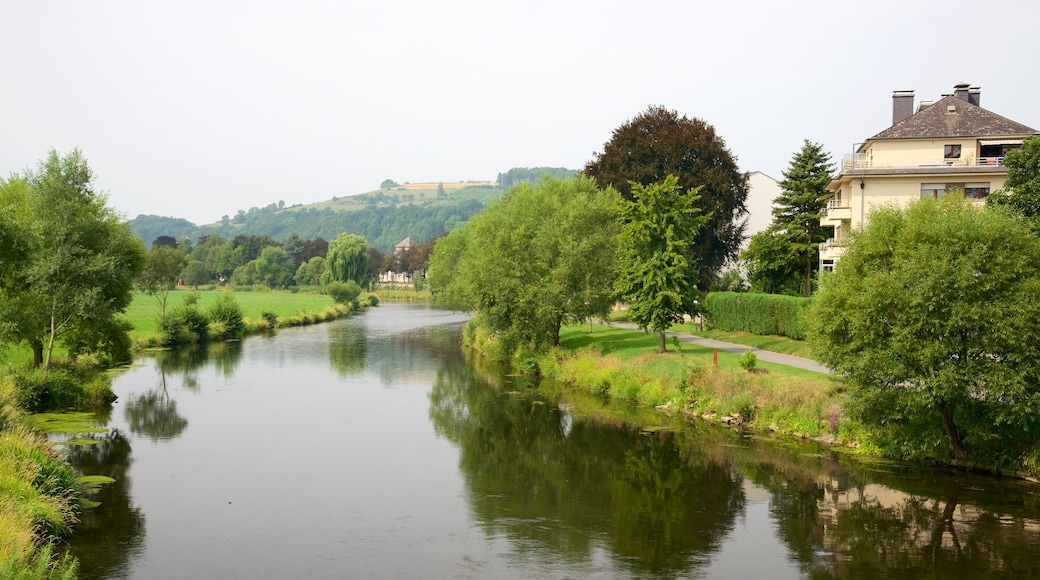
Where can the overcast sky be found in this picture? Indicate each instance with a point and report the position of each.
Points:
(198, 109)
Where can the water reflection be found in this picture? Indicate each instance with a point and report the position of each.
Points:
(110, 535)
(154, 415)
(371, 448)
(570, 489)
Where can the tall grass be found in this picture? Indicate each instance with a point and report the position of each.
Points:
(38, 497)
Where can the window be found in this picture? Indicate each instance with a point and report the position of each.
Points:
(976, 190)
(933, 190)
(951, 152)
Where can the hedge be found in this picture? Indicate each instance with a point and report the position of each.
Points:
(771, 314)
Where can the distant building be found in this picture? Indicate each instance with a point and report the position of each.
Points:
(762, 190)
(950, 145)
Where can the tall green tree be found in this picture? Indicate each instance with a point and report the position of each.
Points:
(1021, 191)
(657, 277)
(785, 256)
(159, 276)
(931, 316)
(658, 143)
(84, 261)
(347, 259)
(540, 256)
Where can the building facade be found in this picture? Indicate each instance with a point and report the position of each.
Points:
(952, 145)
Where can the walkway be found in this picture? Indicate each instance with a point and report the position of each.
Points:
(763, 355)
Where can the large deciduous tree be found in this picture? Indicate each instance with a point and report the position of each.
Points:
(84, 260)
(783, 258)
(347, 259)
(931, 316)
(657, 276)
(1021, 191)
(540, 256)
(658, 143)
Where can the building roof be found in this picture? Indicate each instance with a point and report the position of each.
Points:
(954, 117)
(404, 244)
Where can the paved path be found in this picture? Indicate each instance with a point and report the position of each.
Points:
(763, 355)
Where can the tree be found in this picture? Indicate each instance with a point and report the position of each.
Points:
(1021, 191)
(656, 274)
(931, 317)
(159, 276)
(347, 259)
(84, 261)
(540, 256)
(168, 241)
(15, 249)
(274, 268)
(196, 273)
(785, 255)
(388, 183)
(309, 272)
(658, 143)
(293, 246)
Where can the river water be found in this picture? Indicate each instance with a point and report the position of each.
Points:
(370, 448)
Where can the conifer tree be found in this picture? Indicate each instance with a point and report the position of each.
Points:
(784, 257)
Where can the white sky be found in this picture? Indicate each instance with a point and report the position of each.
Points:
(198, 109)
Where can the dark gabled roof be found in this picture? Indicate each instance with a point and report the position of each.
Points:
(967, 120)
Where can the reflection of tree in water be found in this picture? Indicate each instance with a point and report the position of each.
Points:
(348, 348)
(184, 361)
(107, 536)
(155, 415)
(525, 465)
(845, 522)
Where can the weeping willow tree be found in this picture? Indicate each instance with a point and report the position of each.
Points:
(346, 260)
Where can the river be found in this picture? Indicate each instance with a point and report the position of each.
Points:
(370, 448)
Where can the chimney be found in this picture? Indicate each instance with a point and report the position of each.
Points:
(961, 91)
(902, 105)
(924, 105)
(974, 94)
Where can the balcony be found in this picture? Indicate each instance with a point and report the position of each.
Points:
(837, 210)
(832, 249)
(854, 161)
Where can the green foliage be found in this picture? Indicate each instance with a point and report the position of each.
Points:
(931, 315)
(766, 314)
(272, 268)
(346, 260)
(195, 274)
(373, 300)
(84, 258)
(270, 317)
(42, 565)
(1021, 192)
(748, 360)
(227, 313)
(159, 276)
(388, 184)
(658, 143)
(344, 292)
(309, 272)
(186, 324)
(532, 174)
(540, 256)
(730, 281)
(784, 257)
(656, 275)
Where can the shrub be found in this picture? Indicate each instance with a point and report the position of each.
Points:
(185, 324)
(373, 300)
(225, 317)
(748, 360)
(344, 292)
(270, 317)
(770, 314)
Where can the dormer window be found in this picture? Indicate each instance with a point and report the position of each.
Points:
(951, 152)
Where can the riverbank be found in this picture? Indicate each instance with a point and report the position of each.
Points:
(713, 385)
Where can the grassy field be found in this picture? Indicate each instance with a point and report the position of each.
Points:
(143, 312)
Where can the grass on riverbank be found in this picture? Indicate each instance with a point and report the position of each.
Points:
(624, 364)
(781, 344)
(38, 495)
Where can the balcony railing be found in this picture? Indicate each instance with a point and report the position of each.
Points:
(833, 204)
(861, 161)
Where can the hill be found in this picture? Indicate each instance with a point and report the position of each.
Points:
(384, 216)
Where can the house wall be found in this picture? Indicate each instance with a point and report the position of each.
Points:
(901, 190)
(917, 152)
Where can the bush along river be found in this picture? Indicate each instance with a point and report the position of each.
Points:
(370, 447)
